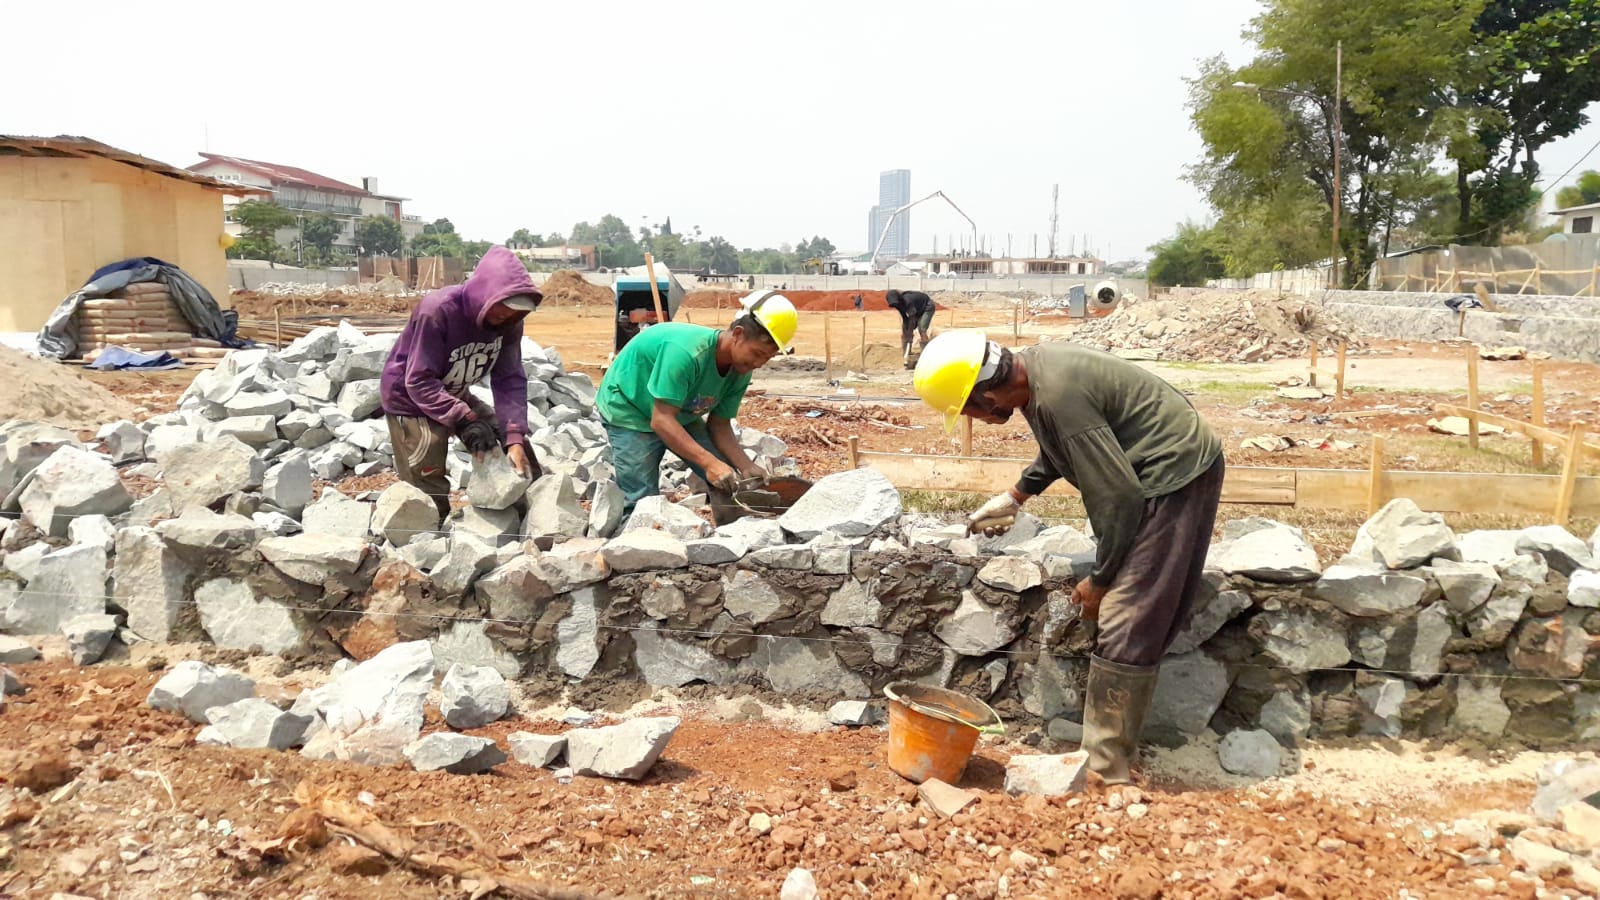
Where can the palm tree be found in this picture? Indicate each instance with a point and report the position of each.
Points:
(720, 256)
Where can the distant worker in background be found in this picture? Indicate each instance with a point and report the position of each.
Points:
(916, 317)
(678, 387)
(455, 338)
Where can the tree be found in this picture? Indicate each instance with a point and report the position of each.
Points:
(1582, 192)
(379, 235)
(584, 233)
(613, 232)
(522, 237)
(1259, 144)
(318, 232)
(261, 220)
(553, 239)
(1188, 257)
(720, 256)
(436, 242)
(440, 227)
(817, 248)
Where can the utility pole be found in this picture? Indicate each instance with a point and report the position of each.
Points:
(1055, 217)
(1338, 186)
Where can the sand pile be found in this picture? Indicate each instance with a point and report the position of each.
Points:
(879, 357)
(567, 288)
(1216, 326)
(43, 391)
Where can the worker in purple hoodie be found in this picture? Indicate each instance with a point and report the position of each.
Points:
(456, 337)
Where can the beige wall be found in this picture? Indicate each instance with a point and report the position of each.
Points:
(61, 219)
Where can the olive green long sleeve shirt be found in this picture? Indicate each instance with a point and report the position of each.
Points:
(1117, 433)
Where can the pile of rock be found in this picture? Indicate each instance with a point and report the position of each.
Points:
(1215, 325)
(372, 713)
(1558, 838)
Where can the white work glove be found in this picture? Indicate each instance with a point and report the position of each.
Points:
(995, 517)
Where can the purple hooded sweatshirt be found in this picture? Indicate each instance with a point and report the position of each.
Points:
(446, 348)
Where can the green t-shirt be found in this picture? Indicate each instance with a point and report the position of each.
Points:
(675, 363)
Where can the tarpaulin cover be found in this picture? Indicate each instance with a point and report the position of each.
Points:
(59, 337)
(123, 358)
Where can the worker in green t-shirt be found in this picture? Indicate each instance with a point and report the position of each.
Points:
(678, 387)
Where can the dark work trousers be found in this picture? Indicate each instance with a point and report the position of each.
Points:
(1153, 595)
(420, 448)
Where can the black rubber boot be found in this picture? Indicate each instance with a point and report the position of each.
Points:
(1113, 716)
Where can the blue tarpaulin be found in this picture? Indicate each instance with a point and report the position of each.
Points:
(123, 358)
(59, 337)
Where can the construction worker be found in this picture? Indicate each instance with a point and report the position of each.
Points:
(1150, 471)
(454, 339)
(678, 387)
(916, 316)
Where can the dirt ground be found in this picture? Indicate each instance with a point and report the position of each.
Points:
(123, 803)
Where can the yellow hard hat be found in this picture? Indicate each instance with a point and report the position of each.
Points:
(225, 240)
(775, 313)
(948, 370)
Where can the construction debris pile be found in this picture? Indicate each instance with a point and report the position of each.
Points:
(566, 287)
(1215, 326)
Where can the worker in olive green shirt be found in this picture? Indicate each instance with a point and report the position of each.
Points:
(678, 387)
(1150, 471)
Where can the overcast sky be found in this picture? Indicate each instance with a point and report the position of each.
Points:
(772, 123)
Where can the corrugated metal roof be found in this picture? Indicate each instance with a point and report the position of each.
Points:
(283, 174)
(77, 147)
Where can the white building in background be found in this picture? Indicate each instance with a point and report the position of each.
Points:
(894, 191)
(306, 193)
(1578, 219)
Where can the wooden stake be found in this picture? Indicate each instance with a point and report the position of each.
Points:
(1531, 276)
(1538, 411)
(1312, 375)
(1594, 280)
(966, 436)
(827, 343)
(1338, 378)
(1538, 279)
(277, 326)
(655, 292)
(1569, 476)
(1375, 473)
(853, 451)
(1016, 323)
(1472, 397)
(863, 343)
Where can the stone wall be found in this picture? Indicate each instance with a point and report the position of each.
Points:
(1564, 327)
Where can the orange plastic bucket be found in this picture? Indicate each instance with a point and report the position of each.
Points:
(932, 731)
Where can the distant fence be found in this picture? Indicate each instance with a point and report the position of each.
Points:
(1289, 281)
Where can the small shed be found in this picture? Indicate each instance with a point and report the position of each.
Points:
(69, 205)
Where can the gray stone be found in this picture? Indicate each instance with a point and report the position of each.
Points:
(458, 754)
(853, 605)
(1369, 592)
(360, 399)
(1405, 537)
(1255, 754)
(404, 513)
(124, 441)
(853, 503)
(753, 533)
(1026, 528)
(1278, 554)
(1058, 540)
(715, 551)
(23, 446)
(1047, 776)
(605, 509)
(253, 724)
(832, 561)
(499, 526)
(163, 439)
(1494, 621)
(67, 584)
(289, 485)
(625, 751)
(495, 483)
(469, 557)
(516, 591)
(554, 509)
(276, 524)
(1011, 573)
(655, 513)
(1479, 708)
(314, 558)
(201, 474)
(202, 531)
(89, 636)
(10, 684)
(297, 423)
(578, 633)
(269, 403)
(236, 620)
(665, 661)
(785, 556)
(1189, 691)
(93, 531)
(1495, 547)
(315, 438)
(192, 688)
(425, 554)
(538, 750)
(72, 482)
(749, 597)
(1049, 687)
(1563, 550)
(1381, 702)
(15, 650)
(1213, 609)
(257, 431)
(468, 643)
(24, 563)
(1583, 589)
(976, 628)
(149, 579)
(339, 515)
(1302, 640)
(246, 505)
(1065, 731)
(1539, 860)
(147, 511)
(795, 665)
(644, 548)
(572, 564)
(1287, 716)
(473, 696)
(372, 712)
(1578, 781)
(852, 713)
(1529, 567)
(1466, 585)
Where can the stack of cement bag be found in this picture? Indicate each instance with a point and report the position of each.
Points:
(141, 316)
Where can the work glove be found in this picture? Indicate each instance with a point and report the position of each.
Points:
(995, 517)
(478, 436)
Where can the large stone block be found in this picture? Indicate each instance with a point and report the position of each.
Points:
(338, 514)
(201, 474)
(235, 619)
(976, 628)
(289, 485)
(405, 513)
(313, 558)
(72, 482)
(554, 508)
(656, 514)
(473, 696)
(853, 504)
(374, 710)
(495, 483)
(1405, 537)
(1189, 691)
(625, 751)
(67, 583)
(200, 531)
(149, 578)
(193, 688)
(1265, 551)
(23, 446)
(643, 549)
(1360, 591)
